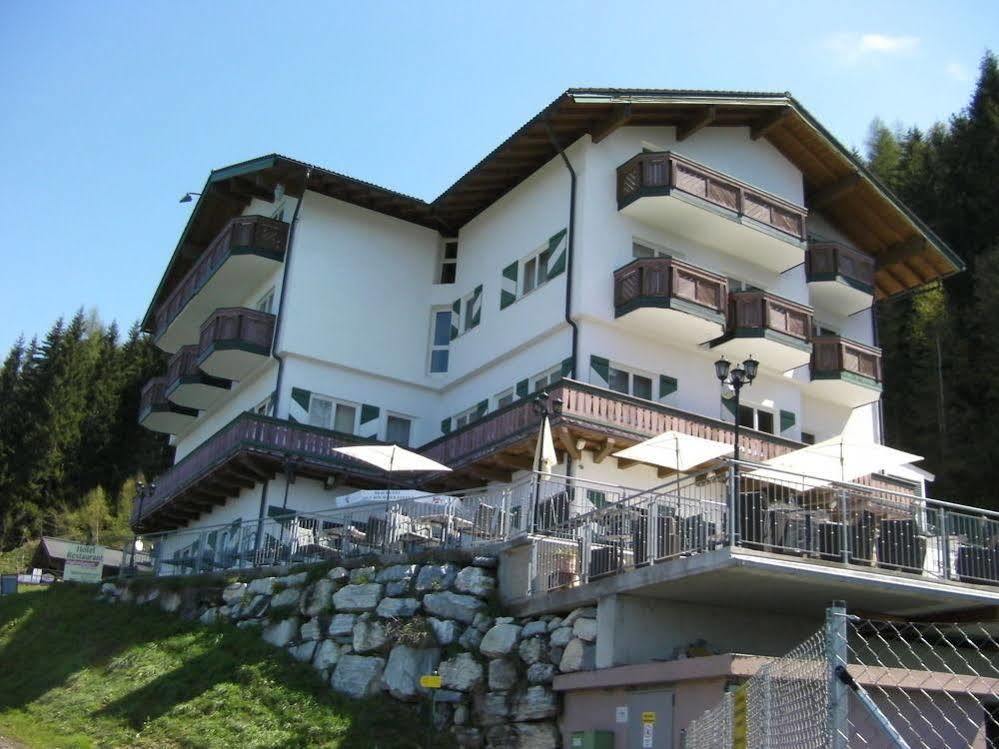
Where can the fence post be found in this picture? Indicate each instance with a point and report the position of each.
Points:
(837, 653)
(733, 480)
(844, 533)
(944, 544)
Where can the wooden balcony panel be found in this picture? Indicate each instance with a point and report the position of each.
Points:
(660, 173)
(773, 330)
(243, 236)
(840, 278)
(187, 385)
(832, 354)
(234, 341)
(158, 414)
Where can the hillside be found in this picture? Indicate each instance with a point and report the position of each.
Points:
(77, 673)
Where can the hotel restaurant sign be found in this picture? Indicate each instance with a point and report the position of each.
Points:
(84, 563)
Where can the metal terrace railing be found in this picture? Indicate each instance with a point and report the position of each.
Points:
(581, 531)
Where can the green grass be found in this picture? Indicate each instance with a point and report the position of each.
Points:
(78, 673)
(16, 560)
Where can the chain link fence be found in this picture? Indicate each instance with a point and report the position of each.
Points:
(866, 683)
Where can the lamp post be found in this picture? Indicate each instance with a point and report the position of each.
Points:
(141, 492)
(733, 379)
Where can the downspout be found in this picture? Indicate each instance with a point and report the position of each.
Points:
(274, 349)
(569, 264)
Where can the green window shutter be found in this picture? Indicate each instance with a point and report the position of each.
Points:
(567, 367)
(667, 386)
(522, 388)
(599, 371)
(477, 306)
(298, 409)
(455, 315)
(728, 404)
(508, 287)
(557, 260)
(369, 413)
(480, 408)
(446, 425)
(787, 420)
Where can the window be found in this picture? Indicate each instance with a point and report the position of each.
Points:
(823, 329)
(266, 303)
(629, 383)
(397, 430)
(735, 284)
(545, 379)
(440, 339)
(327, 413)
(642, 249)
(466, 417)
(468, 313)
(534, 269)
(505, 398)
(595, 498)
(808, 438)
(264, 407)
(753, 417)
(448, 266)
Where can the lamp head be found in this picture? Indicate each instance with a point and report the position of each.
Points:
(188, 196)
(722, 367)
(750, 366)
(738, 375)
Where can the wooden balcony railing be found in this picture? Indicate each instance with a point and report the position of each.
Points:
(182, 364)
(659, 280)
(660, 173)
(830, 261)
(750, 311)
(153, 394)
(247, 434)
(593, 409)
(832, 355)
(250, 329)
(242, 235)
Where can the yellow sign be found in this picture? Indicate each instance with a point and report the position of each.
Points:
(430, 681)
(648, 717)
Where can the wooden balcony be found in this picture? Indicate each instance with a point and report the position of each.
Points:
(237, 261)
(602, 420)
(669, 299)
(671, 192)
(157, 413)
(840, 278)
(188, 386)
(775, 331)
(844, 371)
(234, 342)
(249, 449)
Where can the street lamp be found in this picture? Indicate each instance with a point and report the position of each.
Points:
(141, 492)
(732, 380)
(186, 198)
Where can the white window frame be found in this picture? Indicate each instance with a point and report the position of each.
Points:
(534, 256)
(821, 327)
(265, 407)
(757, 408)
(334, 402)
(550, 375)
(508, 392)
(443, 260)
(470, 415)
(268, 297)
(631, 372)
(465, 313)
(401, 417)
(657, 249)
(432, 346)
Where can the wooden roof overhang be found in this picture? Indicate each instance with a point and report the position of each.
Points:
(907, 252)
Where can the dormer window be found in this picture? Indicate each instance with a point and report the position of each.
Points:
(447, 270)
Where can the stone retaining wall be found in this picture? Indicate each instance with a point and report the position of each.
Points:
(377, 629)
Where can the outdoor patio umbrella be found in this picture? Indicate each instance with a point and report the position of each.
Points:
(675, 450)
(544, 450)
(392, 459)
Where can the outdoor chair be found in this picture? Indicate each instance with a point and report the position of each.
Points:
(666, 536)
(900, 547)
(697, 534)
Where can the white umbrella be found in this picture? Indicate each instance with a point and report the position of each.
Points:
(544, 451)
(391, 459)
(675, 450)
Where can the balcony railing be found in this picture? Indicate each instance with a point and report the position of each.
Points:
(658, 282)
(248, 434)
(835, 356)
(237, 327)
(596, 410)
(242, 235)
(830, 261)
(153, 395)
(660, 173)
(752, 312)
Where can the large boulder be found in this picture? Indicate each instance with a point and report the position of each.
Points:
(293, 581)
(397, 608)
(282, 632)
(303, 652)
(467, 737)
(253, 608)
(471, 638)
(311, 630)
(450, 605)
(462, 673)
(531, 629)
(363, 597)
(435, 577)
(577, 656)
(589, 613)
(170, 601)
(233, 593)
(500, 639)
(535, 703)
(342, 626)
(540, 673)
(561, 636)
(445, 630)
(533, 650)
(263, 586)
(502, 674)
(492, 708)
(287, 599)
(405, 667)
(475, 581)
(327, 654)
(396, 573)
(358, 676)
(585, 629)
(338, 574)
(319, 598)
(363, 575)
(369, 636)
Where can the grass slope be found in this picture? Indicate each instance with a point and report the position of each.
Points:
(78, 673)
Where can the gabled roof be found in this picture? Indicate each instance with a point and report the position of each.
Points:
(58, 548)
(908, 253)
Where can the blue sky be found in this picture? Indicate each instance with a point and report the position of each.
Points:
(112, 110)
